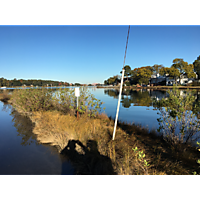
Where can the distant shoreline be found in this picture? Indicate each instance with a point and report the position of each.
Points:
(150, 87)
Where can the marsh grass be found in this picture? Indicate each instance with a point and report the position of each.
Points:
(58, 129)
(88, 143)
(5, 96)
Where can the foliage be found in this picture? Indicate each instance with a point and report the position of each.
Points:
(156, 68)
(177, 123)
(198, 161)
(196, 64)
(140, 157)
(127, 71)
(182, 67)
(112, 80)
(142, 74)
(65, 101)
(179, 64)
(30, 100)
(164, 71)
(189, 70)
(34, 82)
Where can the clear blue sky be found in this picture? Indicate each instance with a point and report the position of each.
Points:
(88, 54)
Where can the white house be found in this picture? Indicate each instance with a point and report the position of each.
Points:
(183, 79)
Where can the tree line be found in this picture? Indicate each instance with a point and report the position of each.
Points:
(34, 82)
(142, 75)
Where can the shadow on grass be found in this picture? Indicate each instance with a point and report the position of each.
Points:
(86, 159)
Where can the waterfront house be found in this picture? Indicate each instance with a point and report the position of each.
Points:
(156, 79)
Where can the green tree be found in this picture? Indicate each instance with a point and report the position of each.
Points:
(179, 64)
(156, 68)
(174, 72)
(127, 71)
(164, 71)
(189, 70)
(143, 74)
(196, 64)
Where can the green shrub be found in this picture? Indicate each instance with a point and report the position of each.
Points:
(30, 100)
(177, 122)
(63, 100)
(66, 101)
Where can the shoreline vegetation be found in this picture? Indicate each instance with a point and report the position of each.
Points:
(151, 87)
(87, 141)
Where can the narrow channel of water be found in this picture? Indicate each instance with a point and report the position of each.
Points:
(21, 154)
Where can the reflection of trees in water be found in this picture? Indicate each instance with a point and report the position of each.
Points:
(196, 106)
(112, 93)
(24, 128)
(141, 97)
(136, 97)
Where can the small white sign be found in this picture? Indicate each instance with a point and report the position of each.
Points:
(77, 92)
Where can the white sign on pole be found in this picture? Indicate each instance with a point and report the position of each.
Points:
(77, 92)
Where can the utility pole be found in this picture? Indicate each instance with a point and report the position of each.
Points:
(120, 92)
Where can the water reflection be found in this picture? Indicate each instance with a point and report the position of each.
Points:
(24, 128)
(20, 153)
(138, 97)
(146, 97)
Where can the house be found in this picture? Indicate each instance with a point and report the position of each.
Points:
(156, 79)
(183, 80)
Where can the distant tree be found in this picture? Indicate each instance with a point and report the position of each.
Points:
(105, 82)
(142, 74)
(189, 70)
(174, 72)
(163, 71)
(127, 71)
(112, 80)
(179, 64)
(156, 68)
(196, 64)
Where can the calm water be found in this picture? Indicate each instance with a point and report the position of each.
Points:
(21, 154)
(136, 106)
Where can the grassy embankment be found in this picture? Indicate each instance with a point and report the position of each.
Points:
(88, 143)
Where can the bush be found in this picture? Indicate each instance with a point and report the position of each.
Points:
(30, 100)
(63, 100)
(66, 101)
(177, 122)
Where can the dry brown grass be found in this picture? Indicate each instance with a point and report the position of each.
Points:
(5, 96)
(58, 129)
